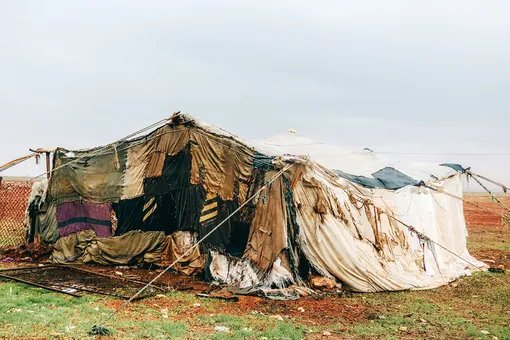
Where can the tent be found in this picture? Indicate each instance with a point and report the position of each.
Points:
(269, 213)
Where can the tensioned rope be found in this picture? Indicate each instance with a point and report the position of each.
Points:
(113, 313)
(428, 239)
(504, 187)
(419, 234)
(490, 193)
(103, 148)
(462, 199)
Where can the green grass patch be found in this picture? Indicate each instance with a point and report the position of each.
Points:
(251, 327)
(25, 311)
(151, 329)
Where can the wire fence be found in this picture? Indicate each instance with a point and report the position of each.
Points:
(13, 204)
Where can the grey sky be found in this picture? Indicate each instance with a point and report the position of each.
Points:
(399, 76)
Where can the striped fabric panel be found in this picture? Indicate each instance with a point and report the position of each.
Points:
(149, 208)
(210, 210)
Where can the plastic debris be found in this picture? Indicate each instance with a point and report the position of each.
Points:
(222, 329)
(277, 317)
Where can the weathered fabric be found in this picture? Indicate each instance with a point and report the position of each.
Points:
(215, 211)
(170, 141)
(169, 212)
(80, 215)
(130, 248)
(178, 244)
(97, 177)
(318, 220)
(129, 214)
(71, 248)
(232, 270)
(133, 247)
(268, 233)
(346, 233)
(386, 178)
(175, 175)
(218, 163)
(46, 224)
(137, 159)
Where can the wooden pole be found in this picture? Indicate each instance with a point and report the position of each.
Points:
(48, 165)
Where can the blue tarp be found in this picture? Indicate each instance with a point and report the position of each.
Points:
(386, 178)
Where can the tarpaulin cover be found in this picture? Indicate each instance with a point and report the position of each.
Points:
(268, 233)
(129, 215)
(133, 247)
(177, 210)
(130, 248)
(89, 175)
(456, 167)
(216, 211)
(179, 244)
(70, 249)
(346, 237)
(45, 224)
(81, 215)
(175, 175)
(386, 178)
(137, 160)
(218, 163)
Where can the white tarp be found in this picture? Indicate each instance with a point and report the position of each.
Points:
(367, 250)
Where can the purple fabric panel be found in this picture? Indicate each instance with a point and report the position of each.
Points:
(98, 211)
(101, 230)
(79, 215)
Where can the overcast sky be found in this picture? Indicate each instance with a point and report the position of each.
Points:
(394, 76)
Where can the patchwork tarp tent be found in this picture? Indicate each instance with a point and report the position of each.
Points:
(288, 207)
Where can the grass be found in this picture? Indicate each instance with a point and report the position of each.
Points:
(477, 303)
(27, 312)
(249, 326)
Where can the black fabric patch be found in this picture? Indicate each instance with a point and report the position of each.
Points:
(176, 174)
(220, 238)
(238, 238)
(129, 215)
(176, 210)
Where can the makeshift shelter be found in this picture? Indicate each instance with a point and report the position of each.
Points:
(351, 217)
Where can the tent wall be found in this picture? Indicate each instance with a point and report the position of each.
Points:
(351, 240)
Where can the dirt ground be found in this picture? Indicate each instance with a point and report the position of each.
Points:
(464, 309)
(488, 235)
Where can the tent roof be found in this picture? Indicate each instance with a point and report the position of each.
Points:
(354, 164)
